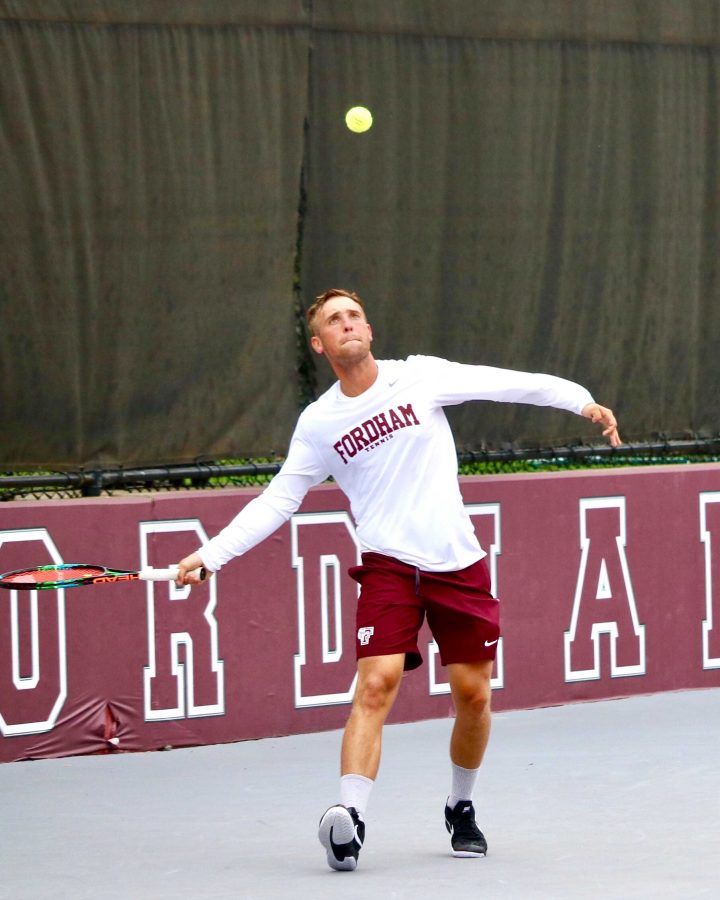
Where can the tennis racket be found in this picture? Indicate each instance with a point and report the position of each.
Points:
(44, 578)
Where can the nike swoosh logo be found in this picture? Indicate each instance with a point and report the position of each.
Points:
(490, 643)
(337, 848)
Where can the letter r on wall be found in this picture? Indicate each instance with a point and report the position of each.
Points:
(184, 677)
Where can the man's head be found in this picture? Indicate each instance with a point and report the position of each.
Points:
(340, 330)
(314, 310)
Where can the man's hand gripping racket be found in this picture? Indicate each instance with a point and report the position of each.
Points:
(188, 570)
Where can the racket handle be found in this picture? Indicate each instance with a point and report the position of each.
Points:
(169, 574)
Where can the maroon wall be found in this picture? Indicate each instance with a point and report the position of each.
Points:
(609, 583)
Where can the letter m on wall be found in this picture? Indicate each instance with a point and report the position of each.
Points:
(604, 602)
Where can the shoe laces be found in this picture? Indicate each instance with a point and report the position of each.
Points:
(464, 824)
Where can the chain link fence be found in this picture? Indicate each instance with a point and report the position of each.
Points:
(111, 482)
(257, 473)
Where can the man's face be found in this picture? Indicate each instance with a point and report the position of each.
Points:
(342, 332)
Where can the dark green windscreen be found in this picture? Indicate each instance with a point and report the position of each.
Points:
(539, 190)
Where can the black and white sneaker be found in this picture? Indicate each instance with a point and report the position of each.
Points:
(342, 832)
(465, 837)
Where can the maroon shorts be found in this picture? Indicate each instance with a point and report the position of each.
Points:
(462, 614)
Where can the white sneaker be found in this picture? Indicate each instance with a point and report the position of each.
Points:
(342, 832)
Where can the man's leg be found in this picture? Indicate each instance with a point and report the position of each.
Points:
(377, 687)
(471, 693)
(342, 828)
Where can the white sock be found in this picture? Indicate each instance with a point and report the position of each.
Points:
(463, 785)
(355, 791)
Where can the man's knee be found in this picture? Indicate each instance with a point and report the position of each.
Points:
(377, 684)
(471, 687)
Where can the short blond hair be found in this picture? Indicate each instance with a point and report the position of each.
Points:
(323, 299)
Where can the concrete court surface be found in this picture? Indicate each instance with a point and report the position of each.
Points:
(615, 799)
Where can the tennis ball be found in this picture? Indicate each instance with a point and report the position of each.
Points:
(358, 119)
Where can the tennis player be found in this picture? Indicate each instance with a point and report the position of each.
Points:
(381, 432)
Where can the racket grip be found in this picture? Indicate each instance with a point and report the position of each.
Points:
(169, 574)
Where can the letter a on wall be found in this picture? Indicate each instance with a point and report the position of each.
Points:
(604, 602)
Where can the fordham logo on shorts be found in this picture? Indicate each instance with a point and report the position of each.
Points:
(364, 635)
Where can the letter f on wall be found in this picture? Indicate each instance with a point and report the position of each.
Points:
(604, 601)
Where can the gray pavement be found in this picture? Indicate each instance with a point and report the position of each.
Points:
(616, 799)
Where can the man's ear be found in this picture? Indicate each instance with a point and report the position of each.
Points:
(316, 344)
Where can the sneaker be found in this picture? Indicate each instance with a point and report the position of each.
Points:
(465, 836)
(342, 832)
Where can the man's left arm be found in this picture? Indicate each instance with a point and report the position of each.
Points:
(456, 382)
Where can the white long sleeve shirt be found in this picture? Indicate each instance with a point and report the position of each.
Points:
(392, 452)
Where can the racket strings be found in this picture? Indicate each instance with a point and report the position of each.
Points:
(45, 574)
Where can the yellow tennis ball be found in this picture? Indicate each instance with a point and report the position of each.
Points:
(358, 119)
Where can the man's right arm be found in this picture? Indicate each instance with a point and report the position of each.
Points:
(262, 516)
